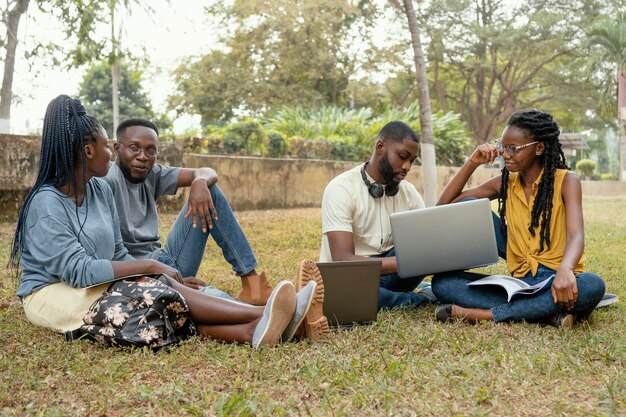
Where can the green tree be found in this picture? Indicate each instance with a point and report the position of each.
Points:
(489, 58)
(429, 169)
(585, 167)
(610, 37)
(11, 16)
(82, 20)
(95, 92)
(277, 53)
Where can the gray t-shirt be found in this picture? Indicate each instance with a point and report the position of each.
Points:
(136, 206)
(61, 247)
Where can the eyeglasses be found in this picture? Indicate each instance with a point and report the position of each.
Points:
(511, 149)
(136, 150)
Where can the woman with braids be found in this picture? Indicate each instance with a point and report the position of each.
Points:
(69, 245)
(541, 219)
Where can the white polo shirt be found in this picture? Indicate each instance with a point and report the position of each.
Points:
(348, 207)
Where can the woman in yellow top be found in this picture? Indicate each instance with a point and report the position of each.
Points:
(541, 218)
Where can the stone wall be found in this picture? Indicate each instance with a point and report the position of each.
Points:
(263, 183)
(249, 182)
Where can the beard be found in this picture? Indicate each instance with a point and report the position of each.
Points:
(386, 170)
(126, 171)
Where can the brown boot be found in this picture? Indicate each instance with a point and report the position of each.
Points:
(315, 322)
(256, 289)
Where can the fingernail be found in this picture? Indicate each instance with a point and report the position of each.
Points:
(204, 230)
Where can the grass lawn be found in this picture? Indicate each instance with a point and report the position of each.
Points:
(404, 364)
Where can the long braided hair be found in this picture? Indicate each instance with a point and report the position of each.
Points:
(66, 130)
(540, 126)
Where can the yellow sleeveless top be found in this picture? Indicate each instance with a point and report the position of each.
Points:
(522, 249)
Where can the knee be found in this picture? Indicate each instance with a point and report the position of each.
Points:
(439, 284)
(593, 284)
(216, 192)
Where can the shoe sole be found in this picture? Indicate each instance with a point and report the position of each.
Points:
(281, 312)
(315, 323)
(567, 322)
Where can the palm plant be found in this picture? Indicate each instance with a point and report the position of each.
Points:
(610, 38)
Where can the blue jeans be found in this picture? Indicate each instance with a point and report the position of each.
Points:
(451, 287)
(397, 292)
(185, 244)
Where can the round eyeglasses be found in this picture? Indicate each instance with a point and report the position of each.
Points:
(136, 150)
(511, 149)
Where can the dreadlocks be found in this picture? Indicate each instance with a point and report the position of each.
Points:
(66, 130)
(540, 126)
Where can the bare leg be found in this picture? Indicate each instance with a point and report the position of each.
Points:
(472, 315)
(230, 333)
(208, 310)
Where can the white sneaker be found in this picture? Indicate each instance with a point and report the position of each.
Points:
(304, 298)
(276, 316)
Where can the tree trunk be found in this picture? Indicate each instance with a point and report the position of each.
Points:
(6, 95)
(429, 168)
(116, 69)
(115, 87)
(622, 150)
(621, 121)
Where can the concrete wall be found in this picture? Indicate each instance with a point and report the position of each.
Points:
(249, 182)
(262, 183)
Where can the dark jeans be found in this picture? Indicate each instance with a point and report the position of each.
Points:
(451, 287)
(397, 292)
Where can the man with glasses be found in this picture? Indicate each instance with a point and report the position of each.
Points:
(138, 182)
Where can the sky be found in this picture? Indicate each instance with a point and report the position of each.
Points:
(174, 30)
(168, 35)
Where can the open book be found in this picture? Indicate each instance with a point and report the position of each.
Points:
(513, 286)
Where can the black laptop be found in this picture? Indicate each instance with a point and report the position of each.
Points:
(350, 291)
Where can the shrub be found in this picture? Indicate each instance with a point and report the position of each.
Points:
(276, 145)
(585, 167)
(246, 137)
(609, 177)
(309, 149)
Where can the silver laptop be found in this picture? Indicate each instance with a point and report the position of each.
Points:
(350, 291)
(444, 238)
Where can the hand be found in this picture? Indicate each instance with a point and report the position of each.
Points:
(201, 205)
(193, 282)
(564, 289)
(484, 154)
(160, 268)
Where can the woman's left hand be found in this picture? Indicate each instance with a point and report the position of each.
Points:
(564, 289)
(193, 282)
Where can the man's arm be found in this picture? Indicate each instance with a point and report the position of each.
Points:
(341, 247)
(188, 175)
(200, 203)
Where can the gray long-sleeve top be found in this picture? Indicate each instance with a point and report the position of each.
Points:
(55, 247)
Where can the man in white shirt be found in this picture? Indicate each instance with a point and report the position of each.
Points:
(356, 207)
